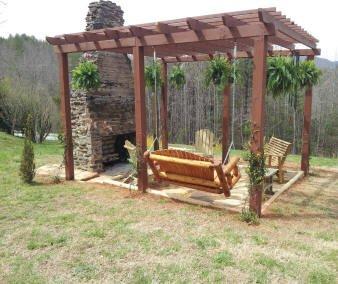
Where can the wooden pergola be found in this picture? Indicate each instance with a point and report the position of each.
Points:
(257, 34)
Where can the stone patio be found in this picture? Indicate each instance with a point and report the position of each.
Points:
(119, 175)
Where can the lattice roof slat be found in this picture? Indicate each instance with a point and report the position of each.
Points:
(202, 35)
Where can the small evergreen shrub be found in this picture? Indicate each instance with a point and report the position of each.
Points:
(85, 76)
(27, 166)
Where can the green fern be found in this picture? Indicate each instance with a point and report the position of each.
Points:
(86, 77)
(177, 77)
(218, 72)
(152, 76)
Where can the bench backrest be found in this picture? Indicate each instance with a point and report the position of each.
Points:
(277, 147)
(204, 141)
(183, 163)
(131, 148)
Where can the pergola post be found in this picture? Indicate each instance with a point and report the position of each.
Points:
(164, 107)
(258, 94)
(258, 109)
(226, 120)
(66, 115)
(306, 141)
(140, 117)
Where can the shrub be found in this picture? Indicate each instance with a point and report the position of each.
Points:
(249, 217)
(27, 166)
(86, 76)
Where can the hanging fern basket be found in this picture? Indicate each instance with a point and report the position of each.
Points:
(86, 77)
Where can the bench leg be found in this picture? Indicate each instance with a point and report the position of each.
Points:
(280, 175)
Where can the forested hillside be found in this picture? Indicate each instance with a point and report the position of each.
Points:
(198, 106)
(29, 84)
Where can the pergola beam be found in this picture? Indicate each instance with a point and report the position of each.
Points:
(197, 25)
(231, 21)
(167, 29)
(281, 42)
(141, 32)
(241, 54)
(189, 36)
(266, 18)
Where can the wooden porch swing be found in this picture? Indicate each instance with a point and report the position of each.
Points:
(191, 170)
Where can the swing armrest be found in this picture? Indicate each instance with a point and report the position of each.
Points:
(231, 165)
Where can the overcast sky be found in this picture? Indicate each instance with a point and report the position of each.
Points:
(54, 17)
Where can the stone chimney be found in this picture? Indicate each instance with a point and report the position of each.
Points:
(104, 14)
(103, 119)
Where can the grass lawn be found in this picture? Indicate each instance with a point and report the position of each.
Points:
(75, 232)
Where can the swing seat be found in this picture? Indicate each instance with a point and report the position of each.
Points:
(191, 170)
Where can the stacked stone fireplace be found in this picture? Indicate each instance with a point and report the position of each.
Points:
(102, 120)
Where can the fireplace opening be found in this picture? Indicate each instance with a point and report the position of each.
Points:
(113, 150)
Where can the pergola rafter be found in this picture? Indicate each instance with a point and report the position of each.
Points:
(241, 26)
(255, 33)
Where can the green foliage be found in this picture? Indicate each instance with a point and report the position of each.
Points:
(152, 75)
(86, 76)
(177, 77)
(256, 169)
(249, 217)
(321, 276)
(218, 72)
(280, 76)
(223, 259)
(309, 74)
(27, 166)
(206, 242)
(287, 77)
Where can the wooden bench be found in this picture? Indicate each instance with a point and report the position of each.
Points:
(204, 142)
(191, 170)
(131, 148)
(276, 152)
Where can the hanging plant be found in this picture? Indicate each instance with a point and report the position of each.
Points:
(281, 78)
(308, 74)
(218, 72)
(152, 76)
(86, 76)
(177, 77)
(287, 77)
(235, 75)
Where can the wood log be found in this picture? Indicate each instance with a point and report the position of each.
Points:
(229, 166)
(223, 182)
(193, 163)
(188, 180)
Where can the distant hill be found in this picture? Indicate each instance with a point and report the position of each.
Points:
(324, 63)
